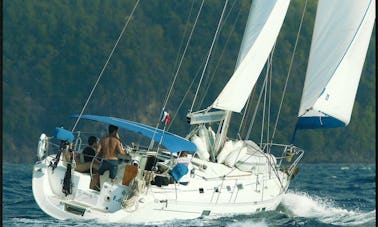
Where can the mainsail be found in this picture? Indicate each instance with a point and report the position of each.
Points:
(264, 22)
(339, 44)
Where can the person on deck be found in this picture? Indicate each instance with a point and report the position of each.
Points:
(109, 146)
(185, 160)
(88, 153)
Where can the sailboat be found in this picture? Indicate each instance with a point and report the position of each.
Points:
(219, 175)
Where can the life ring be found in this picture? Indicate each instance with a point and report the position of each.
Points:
(42, 146)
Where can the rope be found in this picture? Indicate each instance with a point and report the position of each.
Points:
(289, 71)
(106, 63)
(209, 54)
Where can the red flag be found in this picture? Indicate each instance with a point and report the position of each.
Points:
(166, 118)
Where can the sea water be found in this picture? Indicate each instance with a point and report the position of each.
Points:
(320, 195)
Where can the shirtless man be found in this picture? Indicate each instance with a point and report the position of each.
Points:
(109, 147)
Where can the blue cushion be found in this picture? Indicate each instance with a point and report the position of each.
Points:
(178, 171)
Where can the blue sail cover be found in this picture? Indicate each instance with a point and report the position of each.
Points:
(172, 142)
(318, 122)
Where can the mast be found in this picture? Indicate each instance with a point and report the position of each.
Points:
(223, 128)
(264, 22)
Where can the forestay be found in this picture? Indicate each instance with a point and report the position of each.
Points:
(263, 25)
(340, 41)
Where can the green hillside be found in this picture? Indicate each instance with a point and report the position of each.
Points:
(54, 51)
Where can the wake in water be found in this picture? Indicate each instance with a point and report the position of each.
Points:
(300, 204)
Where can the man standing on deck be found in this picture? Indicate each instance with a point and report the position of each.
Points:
(109, 146)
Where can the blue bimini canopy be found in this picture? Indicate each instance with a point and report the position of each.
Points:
(172, 142)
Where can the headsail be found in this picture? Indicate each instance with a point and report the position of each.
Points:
(339, 44)
(263, 25)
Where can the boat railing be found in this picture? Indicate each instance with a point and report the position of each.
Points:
(287, 156)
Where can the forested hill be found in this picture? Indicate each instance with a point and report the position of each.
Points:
(54, 51)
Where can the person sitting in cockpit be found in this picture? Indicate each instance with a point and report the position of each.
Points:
(88, 154)
(181, 172)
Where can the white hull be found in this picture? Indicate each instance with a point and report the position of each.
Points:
(238, 193)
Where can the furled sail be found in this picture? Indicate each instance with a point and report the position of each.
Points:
(339, 44)
(264, 22)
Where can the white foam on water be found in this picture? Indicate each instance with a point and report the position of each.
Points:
(22, 221)
(324, 210)
(248, 224)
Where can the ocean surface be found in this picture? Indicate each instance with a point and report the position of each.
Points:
(320, 195)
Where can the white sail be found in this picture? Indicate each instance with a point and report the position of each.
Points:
(340, 41)
(263, 25)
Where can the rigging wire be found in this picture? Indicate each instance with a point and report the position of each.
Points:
(177, 59)
(289, 71)
(166, 127)
(264, 103)
(245, 114)
(184, 35)
(255, 112)
(186, 93)
(270, 95)
(182, 58)
(263, 89)
(203, 62)
(264, 107)
(175, 76)
(267, 91)
(223, 50)
(208, 56)
(269, 69)
(106, 63)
